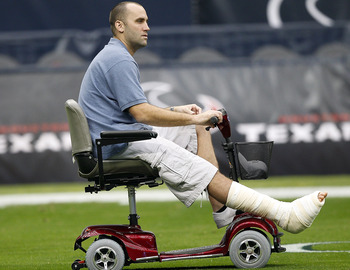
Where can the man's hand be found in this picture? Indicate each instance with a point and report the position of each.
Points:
(204, 118)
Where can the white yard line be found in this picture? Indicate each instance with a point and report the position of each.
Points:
(312, 247)
(151, 195)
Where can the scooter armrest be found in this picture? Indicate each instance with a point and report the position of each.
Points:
(127, 135)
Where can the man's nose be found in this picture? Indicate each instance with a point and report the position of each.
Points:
(147, 27)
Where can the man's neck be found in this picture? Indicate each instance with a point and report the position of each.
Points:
(132, 52)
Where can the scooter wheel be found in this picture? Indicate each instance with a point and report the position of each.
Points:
(250, 249)
(105, 254)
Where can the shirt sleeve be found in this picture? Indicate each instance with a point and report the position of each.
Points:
(124, 82)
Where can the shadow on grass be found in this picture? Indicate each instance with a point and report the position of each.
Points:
(204, 267)
(191, 268)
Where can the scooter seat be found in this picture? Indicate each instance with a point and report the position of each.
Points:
(130, 167)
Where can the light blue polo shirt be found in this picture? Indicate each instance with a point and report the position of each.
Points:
(110, 86)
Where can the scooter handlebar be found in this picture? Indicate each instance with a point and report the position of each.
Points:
(224, 127)
(214, 120)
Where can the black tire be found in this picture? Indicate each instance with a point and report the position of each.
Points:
(250, 249)
(105, 254)
(76, 265)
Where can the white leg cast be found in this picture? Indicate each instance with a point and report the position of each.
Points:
(293, 217)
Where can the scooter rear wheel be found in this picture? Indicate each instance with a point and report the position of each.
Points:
(105, 254)
(250, 249)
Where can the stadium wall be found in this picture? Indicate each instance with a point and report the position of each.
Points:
(303, 106)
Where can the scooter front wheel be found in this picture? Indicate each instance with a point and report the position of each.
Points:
(250, 249)
(105, 254)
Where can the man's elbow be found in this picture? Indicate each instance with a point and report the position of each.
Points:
(139, 113)
(141, 118)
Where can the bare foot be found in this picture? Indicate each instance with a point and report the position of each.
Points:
(322, 195)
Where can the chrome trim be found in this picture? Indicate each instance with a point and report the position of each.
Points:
(147, 258)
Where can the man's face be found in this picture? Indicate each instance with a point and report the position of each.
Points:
(136, 27)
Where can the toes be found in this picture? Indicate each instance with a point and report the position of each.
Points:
(322, 196)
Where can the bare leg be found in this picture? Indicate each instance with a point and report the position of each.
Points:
(206, 151)
(222, 215)
(219, 187)
(205, 146)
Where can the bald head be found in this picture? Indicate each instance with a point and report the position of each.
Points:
(129, 24)
(120, 12)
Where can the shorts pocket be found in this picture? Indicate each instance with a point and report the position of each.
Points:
(174, 168)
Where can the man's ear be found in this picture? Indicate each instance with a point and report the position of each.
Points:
(119, 25)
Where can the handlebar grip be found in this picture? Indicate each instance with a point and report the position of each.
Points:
(214, 120)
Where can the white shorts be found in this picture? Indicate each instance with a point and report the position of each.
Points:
(173, 152)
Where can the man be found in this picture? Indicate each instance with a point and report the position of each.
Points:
(112, 99)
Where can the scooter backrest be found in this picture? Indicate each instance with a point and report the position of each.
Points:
(78, 127)
(80, 136)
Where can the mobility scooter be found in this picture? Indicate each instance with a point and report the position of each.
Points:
(245, 241)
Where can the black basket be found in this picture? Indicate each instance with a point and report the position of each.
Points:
(253, 159)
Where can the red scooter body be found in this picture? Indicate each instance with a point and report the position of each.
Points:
(140, 246)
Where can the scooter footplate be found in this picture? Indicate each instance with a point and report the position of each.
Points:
(191, 250)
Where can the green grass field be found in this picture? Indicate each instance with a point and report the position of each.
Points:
(42, 236)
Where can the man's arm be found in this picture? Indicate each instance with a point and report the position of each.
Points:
(189, 108)
(155, 116)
